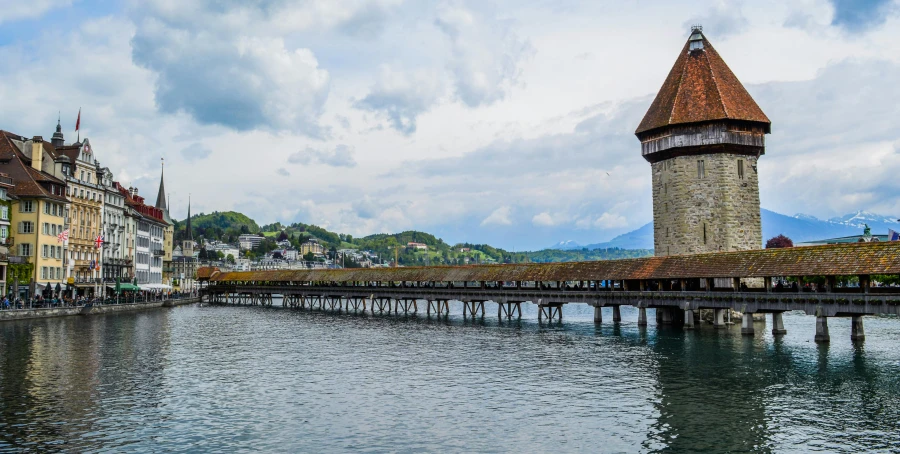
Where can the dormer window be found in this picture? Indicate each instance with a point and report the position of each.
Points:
(696, 39)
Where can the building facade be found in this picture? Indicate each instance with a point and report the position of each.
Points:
(77, 164)
(115, 262)
(37, 213)
(702, 136)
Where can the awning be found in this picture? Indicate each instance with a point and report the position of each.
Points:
(155, 287)
(125, 286)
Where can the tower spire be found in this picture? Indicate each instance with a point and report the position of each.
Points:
(57, 139)
(161, 196)
(190, 236)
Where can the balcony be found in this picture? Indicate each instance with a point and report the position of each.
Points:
(19, 259)
(159, 252)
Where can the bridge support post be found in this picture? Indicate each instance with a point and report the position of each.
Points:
(778, 324)
(664, 315)
(642, 316)
(617, 314)
(822, 335)
(857, 333)
(598, 314)
(689, 319)
(719, 318)
(747, 324)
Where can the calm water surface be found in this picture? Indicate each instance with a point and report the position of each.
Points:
(231, 379)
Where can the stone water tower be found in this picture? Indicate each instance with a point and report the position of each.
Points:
(703, 135)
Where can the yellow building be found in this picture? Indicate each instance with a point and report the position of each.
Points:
(77, 166)
(38, 207)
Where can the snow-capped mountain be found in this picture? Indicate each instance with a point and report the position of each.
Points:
(800, 228)
(860, 218)
(566, 245)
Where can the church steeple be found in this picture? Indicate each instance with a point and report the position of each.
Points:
(190, 236)
(187, 246)
(161, 197)
(57, 139)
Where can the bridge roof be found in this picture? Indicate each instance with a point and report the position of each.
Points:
(826, 260)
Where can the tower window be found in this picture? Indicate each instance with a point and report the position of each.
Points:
(701, 169)
(704, 233)
(696, 39)
(741, 169)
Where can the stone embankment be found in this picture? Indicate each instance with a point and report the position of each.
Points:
(23, 314)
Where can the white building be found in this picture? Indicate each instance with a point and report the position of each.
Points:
(114, 259)
(248, 241)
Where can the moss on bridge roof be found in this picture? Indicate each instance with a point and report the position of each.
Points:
(827, 260)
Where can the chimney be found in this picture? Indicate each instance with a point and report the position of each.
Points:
(37, 152)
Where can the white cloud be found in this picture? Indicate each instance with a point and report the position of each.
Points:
(340, 156)
(611, 221)
(500, 216)
(11, 10)
(428, 116)
(227, 69)
(544, 220)
(401, 97)
(486, 53)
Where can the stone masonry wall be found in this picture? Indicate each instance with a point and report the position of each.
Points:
(726, 205)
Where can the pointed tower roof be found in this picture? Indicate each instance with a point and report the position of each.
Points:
(57, 140)
(701, 88)
(161, 197)
(190, 236)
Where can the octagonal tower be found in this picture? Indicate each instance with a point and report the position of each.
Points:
(703, 135)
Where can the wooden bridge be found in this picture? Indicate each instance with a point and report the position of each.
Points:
(678, 287)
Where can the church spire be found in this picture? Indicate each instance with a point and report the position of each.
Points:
(57, 139)
(161, 197)
(190, 236)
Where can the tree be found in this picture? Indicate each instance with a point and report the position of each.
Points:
(230, 258)
(283, 236)
(779, 241)
(309, 257)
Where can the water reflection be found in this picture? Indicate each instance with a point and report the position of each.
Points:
(255, 378)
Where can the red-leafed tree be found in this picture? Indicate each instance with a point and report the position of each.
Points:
(778, 242)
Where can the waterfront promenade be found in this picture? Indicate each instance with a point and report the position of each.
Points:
(92, 308)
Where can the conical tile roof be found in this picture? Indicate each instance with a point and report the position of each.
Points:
(701, 88)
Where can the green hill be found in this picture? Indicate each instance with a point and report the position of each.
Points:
(227, 226)
(224, 226)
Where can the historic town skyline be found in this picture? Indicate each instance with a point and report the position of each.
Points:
(491, 122)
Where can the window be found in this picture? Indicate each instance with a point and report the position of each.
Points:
(46, 207)
(741, 169)
(45, 250)
(44, 272)
(26, 206)
(25, 249)
(4, 212)
(26, 227)
(704, 233)
(701, 169)
(4, 232)
(46, 228)
(82, 175)
(81, 193)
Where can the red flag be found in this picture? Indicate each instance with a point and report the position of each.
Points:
(78, 122)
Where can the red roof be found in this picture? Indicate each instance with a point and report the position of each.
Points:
(701, 88)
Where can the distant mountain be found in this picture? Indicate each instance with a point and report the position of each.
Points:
(641, 238)
(800, 228)
(567, 245)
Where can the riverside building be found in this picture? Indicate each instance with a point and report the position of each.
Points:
(37, 209)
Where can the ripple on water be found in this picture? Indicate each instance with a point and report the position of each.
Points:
(267, 379)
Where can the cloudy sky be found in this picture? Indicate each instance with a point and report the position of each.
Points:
(508, 122)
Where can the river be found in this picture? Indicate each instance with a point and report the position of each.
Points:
(232, 379)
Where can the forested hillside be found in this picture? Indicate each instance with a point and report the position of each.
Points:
(227, 226)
